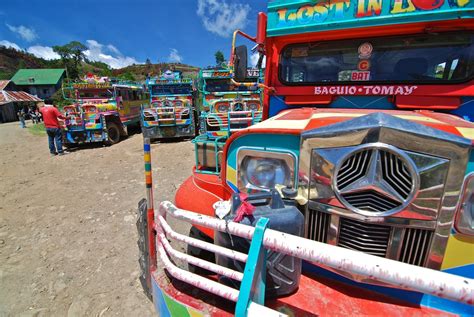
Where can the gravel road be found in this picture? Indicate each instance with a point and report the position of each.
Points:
(67, 224)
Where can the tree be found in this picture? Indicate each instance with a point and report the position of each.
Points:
(148, 62)
(219, 58)
(72, 54)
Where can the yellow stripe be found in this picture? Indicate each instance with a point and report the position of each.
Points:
(467, 132)
(282, 124)
(194, 313)
(147, 157)
(419, 118)
(148, 173)
(231, 175)
(459, 252)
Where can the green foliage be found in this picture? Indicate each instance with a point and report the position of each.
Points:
(72, 54)
(219, 58)
(59, 101)
(127, 76)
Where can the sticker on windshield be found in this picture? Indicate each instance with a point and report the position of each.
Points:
(360, 75)
(299, 52)
(363, 65)
(365, 50)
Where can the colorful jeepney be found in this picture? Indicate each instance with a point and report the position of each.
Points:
(355, 195)
(102, 109)
(171, 112)
(225, 108)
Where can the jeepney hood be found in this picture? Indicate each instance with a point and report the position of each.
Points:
(302, 119)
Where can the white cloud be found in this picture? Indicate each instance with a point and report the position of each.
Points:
(254, 60)
(45, 52)
(174, 56)
(108, 54)
(28, 34)
(221, 17)
(10, 44)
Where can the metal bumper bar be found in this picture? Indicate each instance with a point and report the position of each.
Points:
(397, 274)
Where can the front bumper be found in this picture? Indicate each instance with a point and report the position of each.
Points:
(414, 286)
(171, 131)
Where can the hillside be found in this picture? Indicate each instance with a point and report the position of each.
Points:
(11, 60)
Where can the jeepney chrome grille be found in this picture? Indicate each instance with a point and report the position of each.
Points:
(415, 246)
(363, 237)
(318, 225)
(375, 179)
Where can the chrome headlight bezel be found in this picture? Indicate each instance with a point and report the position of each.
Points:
(464, 223)
(287, 158)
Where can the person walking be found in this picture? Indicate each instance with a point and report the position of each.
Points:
(21, 116)
(50, 118)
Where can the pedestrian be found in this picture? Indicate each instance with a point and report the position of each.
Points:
(21, 116)
(50, 118)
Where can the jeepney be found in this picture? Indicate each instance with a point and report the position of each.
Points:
(102, 109)
(171, 112)
(355, 195)
(225, 109)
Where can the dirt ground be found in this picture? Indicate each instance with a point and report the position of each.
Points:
(67, 224)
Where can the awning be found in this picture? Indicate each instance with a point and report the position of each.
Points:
(17, 96)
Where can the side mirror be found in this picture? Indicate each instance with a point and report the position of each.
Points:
(240, 63)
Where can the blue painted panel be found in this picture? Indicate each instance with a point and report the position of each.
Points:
(159, 301)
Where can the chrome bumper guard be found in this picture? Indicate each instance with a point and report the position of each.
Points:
(250, 295)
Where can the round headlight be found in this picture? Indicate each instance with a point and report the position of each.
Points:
(222, 107)
(265, 172)
(253, 106)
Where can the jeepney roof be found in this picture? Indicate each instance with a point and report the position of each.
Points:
(225, 73)
(286, 17)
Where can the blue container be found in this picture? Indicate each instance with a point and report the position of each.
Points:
(283, 271)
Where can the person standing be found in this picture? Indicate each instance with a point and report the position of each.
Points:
(21, 116)
(50, 118)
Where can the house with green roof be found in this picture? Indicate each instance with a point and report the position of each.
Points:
(42, 83)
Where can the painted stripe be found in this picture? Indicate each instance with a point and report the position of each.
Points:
(282, 124)
(231, 175)
(147, 167)
(175, 308)
(147, 157)
(146, 147)
(467, 132)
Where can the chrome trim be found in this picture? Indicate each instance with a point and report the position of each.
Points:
(440, 157)
(467, 180)
(372, 180)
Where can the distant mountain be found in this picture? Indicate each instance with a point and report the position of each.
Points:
(11, 60)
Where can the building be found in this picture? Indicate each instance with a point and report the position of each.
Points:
(12, 101)
(42, 83)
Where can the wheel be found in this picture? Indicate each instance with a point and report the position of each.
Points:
(200, 253)
(113, 133)
(143, 248)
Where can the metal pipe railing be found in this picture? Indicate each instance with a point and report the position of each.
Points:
(398, 274)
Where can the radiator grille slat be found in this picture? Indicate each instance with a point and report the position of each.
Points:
(318, 225)
(363, 237)
(415, 246)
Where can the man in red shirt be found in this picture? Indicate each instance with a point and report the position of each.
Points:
(50, 118)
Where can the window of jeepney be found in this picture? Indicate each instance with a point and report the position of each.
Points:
(171, 89)
(427, 58)
(95, 93)
(225, 85)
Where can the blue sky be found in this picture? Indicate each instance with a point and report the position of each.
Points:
(123, 32)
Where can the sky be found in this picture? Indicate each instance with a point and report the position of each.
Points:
(121, 32)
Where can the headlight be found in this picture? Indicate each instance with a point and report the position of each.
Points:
(264, 170)
(221, 107)
(178, 103)
(465, 213)
(253, 106)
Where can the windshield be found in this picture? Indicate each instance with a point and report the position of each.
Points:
(185, 89)
(224, 85)
(427, 58)
(95, 94)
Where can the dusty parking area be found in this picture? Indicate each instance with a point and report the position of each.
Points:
(67, 224)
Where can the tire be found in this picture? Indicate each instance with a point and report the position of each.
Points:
(143, 249)
(199, 253)
(113, 133)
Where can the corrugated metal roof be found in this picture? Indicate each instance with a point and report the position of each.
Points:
(16, 96)
(3, 84)
(28, 77)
